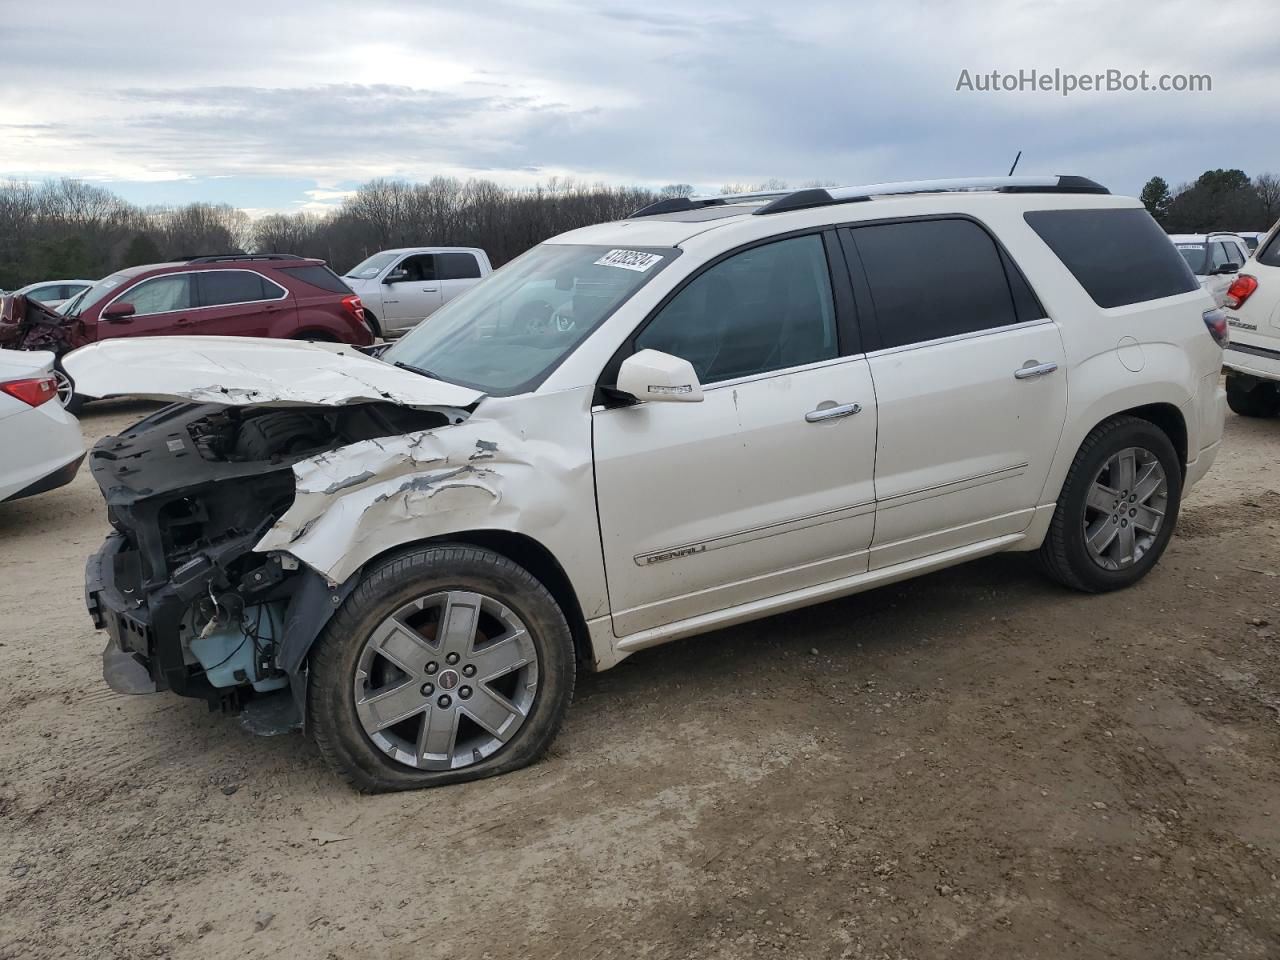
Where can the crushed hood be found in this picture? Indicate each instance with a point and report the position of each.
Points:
(252, 371)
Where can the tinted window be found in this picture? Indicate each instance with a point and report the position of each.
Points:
(767, 308)
(218, 287)
(318, 276)
(1271, 255)
(160, 295)
(456, 266)
(1221, 255)
(1196, 256)
(419, 267)
(1118, 256)
(934, 278)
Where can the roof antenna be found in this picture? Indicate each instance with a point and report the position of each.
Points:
(1015, 163)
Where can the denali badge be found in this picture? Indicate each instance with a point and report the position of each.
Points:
(648, 558)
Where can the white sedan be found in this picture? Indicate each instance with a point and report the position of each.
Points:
(42, 442)
(53, 293)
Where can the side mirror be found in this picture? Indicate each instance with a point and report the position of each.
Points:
(396, 276)
(118, 311)
(657, 376)
(1229, 268)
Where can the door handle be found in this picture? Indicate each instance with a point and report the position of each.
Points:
(832, 413)
(1032, 369)
(429, 289)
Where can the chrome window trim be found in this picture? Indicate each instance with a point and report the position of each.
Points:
(959, 337)
(284, 293)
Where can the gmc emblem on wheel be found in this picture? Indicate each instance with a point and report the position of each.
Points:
(448, 679)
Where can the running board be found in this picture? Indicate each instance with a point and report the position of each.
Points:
(704, 623)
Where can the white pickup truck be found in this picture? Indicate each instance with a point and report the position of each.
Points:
(400, 288)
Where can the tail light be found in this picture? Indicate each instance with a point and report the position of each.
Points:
(32, 392)
(1216, 321)
(1241, 290)
(354, 307)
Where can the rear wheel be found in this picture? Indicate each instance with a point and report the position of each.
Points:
(1251, 397)
(446, 664)
(71, 400)
(1117, 509)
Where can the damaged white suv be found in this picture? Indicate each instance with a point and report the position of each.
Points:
(732, 407)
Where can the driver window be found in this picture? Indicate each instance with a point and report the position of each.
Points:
(767, 308)
(160, 295)
(419, 267)
(1220, 255)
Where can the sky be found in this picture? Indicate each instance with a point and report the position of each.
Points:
(289, 106)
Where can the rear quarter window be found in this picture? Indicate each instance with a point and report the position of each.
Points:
(318, 276)
(1270, 256)
(1119, 256)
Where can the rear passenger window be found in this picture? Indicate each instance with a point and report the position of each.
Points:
(222, 287)
(937, 278)
(1119, 256)
(767, 308)
(456, 266)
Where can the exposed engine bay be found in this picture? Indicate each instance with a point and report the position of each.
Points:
(188, 603)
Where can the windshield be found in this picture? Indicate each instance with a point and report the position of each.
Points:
(508, 332)
(1197, 257)
(370, 268)
(91, 296)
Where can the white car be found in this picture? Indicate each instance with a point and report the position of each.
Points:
(41, 441)
(1251, 238)
(1214, 258)
(750, 404)
(1253, 311)
(400, 288)
(53, 293)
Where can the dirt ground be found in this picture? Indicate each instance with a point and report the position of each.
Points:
(975, 764)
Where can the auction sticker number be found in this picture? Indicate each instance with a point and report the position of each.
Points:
(629, 260)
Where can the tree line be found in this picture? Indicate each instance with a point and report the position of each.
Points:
(62, 229)
(1217, 200)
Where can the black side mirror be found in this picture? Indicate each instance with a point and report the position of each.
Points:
(396, 276)
(118, 312)
(1228, 268)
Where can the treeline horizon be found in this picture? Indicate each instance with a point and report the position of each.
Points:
(65, 228)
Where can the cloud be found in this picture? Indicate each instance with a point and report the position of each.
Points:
(727, 91)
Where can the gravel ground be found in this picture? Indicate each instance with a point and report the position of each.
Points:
(974, 764)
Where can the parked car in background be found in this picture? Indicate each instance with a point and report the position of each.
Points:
(1252, 238)
(1214, 258)
(1253, 311)
(52, 293)
(400, 288)
(265, 295)
(41, 441)
(750, 404)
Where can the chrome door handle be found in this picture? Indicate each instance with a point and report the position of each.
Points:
(832, 413)
(1034, 370)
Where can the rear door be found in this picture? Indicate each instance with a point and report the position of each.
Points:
(410, 292)
(237, 303)
(970, 384)
(457, 272)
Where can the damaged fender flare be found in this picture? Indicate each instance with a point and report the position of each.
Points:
(311, 607)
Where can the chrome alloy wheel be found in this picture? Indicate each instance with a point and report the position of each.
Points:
(446, 680)
(1126, 508)
(66, 390)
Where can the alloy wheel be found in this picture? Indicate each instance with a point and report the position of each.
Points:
(446, 680)
(1126, 508)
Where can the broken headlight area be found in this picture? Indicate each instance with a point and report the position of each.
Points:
(189, 605)
(27, 324)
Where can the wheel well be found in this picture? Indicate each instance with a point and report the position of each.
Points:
(1169, 419)
(371, 319)
(535, 558)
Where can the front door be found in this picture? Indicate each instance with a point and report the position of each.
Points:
(410, 292)
(971, 384)
(766, 485)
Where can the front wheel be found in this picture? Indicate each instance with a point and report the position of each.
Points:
(1117, 509)
(446, 664)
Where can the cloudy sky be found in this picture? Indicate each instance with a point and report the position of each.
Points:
(282, 106)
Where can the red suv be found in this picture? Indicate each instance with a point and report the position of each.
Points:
(264, 295)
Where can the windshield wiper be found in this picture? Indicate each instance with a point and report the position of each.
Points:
(418, 370)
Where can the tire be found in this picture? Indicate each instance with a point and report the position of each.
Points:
(348, 663)
(374, 327)
(1066, 555)
(1250, 397)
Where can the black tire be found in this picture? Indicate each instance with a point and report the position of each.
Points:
(1064, 555)
(385, 588)
(374, 327)
(1250, 397)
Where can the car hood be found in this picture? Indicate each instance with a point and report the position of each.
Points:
(251, 371)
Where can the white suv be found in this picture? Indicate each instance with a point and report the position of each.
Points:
(1215, 259)
(1253, 311)
(744, 405)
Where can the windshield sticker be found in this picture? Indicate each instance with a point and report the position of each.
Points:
(629, 260)
(1191, 246)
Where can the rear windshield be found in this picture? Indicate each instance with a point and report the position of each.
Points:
(1119, 256)
(1271, 255)
(1196, 255)
(318, 276)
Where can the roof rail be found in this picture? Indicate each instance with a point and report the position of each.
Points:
(820, 197)
(218, 258)
(677, 204)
